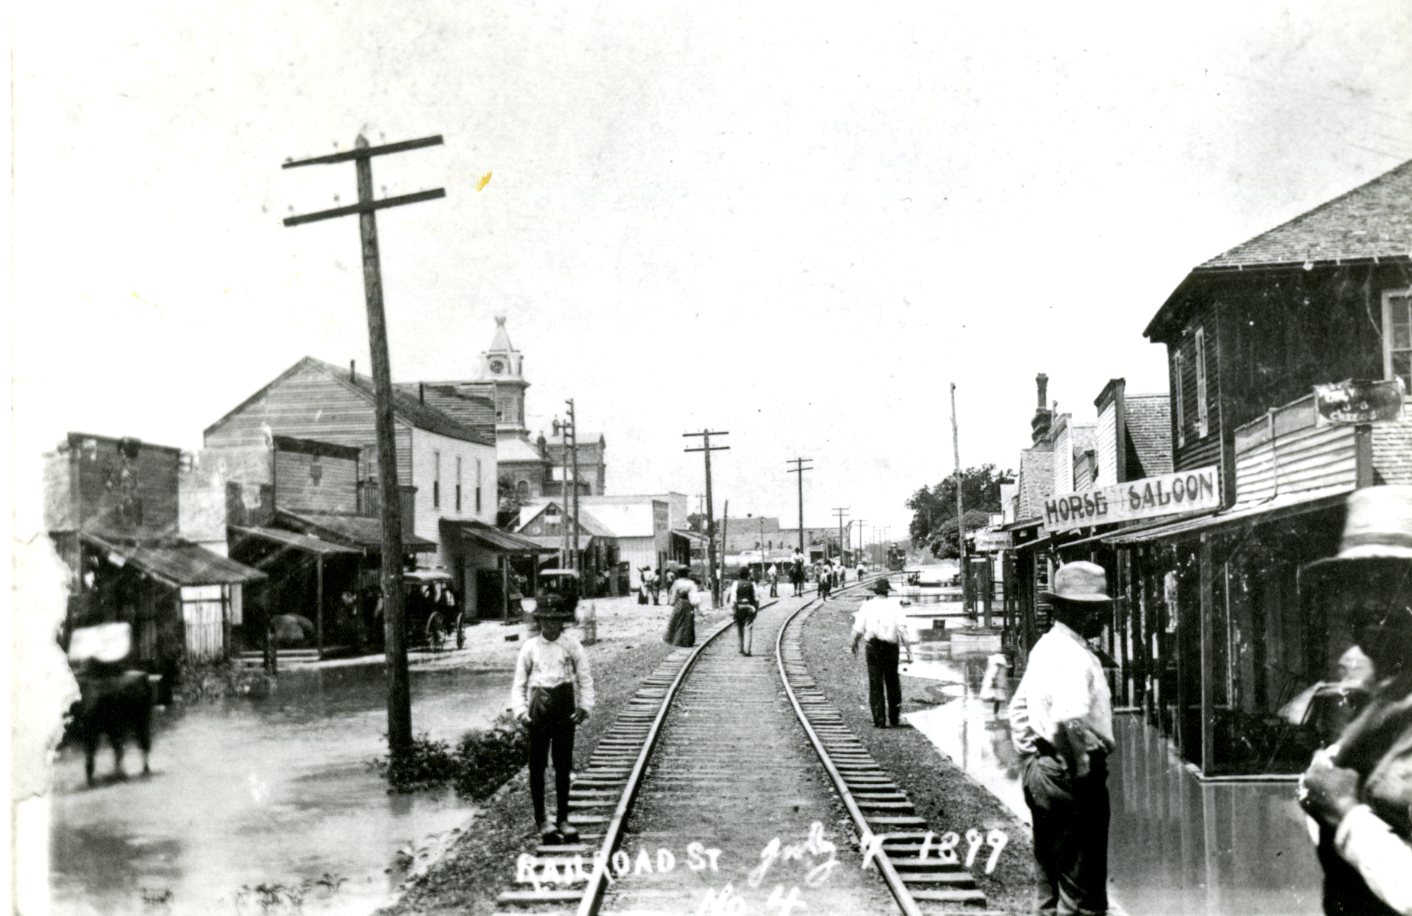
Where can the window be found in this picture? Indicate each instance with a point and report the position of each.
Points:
(1397, 336)
(478, 479)
(522, 489)
(1177, 369)
(1201, 418)
(436, 481)
(458, 483)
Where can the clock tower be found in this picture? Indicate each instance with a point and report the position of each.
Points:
(502, 366)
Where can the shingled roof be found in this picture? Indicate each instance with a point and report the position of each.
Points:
(1373, 220)
(1149, 434)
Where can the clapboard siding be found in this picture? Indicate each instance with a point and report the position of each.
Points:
(1193, 450)
(307, 403)
(1286, 452)
(335, 490)
(1107, 445)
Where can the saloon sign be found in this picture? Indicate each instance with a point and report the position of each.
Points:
(1151, 497)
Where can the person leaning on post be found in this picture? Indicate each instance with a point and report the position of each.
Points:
(552, 694)
(1358, 791)
(879, 625)
(1061, 721)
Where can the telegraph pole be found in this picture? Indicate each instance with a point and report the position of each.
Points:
(800, 469)
(574, 452)
(839, 512)
(399, 696)
(862, 545)
(707, 449)
(960, 515)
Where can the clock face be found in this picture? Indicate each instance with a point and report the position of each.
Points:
(497, 366)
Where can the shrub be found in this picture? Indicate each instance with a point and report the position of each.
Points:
(217, 680)
(481, 762)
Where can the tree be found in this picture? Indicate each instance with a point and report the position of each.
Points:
(933, 507)
(508, 501)
(696, 521)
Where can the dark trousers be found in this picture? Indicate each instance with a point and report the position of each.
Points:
(1070, 834)
(551, 734)
(882, 676)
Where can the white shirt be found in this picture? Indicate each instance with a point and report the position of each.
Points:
(543, 663)
(880, 618)
(1063, 680)
(1382, 858)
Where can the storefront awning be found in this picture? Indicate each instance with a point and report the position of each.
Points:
(696, 536)
(178, 564)
(1260, 513)
(497, 539)
(305, 542)
(363, 532)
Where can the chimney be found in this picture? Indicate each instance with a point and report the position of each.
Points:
(1039, 426)
(352, 374)
(421, 393)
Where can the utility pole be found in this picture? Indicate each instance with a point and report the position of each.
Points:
(800, 469)
(960, 514)
(561, 429)
(399, 696)
(839, 512)
(862, 545)
(707, 449)
(574, 452)
(725, 539)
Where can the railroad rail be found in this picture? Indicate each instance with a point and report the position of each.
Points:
(732, 770)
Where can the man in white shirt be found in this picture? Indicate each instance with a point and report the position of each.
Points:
(1061, 720)
(551, 695)
(879, 624)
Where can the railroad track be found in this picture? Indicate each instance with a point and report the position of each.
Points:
(729, 785)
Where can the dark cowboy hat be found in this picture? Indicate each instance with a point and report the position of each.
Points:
(1377, 536)
(1080, 583)
(881, 586)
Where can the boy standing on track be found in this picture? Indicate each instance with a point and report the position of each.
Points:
(551, 695)
(880, 623)
(742, 598)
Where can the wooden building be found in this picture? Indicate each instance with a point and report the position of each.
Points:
(112, 509)
(446, 468)
(1217, 637)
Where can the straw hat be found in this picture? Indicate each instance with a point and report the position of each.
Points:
(1081, 582)
(1377, 531)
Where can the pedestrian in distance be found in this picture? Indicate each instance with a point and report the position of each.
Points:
(1358, 791)
(995, 681)
(551, 695)
(742, 599)
(796, 572)
(825, 580)
(774, 575)
(1061, 720)
(683, 597)
(880, 626)
(654, 584)
(644, 587)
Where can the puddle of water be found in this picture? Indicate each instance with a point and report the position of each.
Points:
(275, 791)
(1176, 844)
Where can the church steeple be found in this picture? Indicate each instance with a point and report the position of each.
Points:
(504, 367)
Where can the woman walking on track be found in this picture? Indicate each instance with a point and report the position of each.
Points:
(681, 629)
(743, 599)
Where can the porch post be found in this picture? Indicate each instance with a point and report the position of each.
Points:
(1206, 610)
(505, 586)
(319, 624)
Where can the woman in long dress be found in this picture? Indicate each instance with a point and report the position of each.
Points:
(681, 629)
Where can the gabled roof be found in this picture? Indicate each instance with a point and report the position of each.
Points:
(1036, 480)
(404, 407)
(1371, 223)
(1149, 419)
(471, 411)
(586, 520)
(1373, 220)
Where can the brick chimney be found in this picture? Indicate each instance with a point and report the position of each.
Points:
(1043, 416)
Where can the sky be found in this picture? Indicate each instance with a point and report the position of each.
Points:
(798, 223)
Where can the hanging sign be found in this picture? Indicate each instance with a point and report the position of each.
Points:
(1358, 401)
(1151, 497)
(988, 541)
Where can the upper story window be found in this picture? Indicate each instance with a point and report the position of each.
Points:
(1397, 336)
(1179, 396)
(1199, 343)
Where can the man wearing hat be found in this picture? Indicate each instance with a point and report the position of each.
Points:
(880, 626)
(1061, 719)
(1359, 790)
(551, 695)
